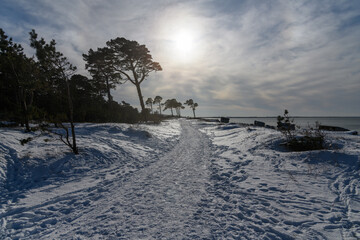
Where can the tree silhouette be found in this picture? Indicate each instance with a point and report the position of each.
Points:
(192, 105)
(133, 62)
(58, 71)
(170, 104)
(157, 100)
(100, 65)
(19, 76)
(149, 102)
(45, 88)
(178, 107)
(173, 104)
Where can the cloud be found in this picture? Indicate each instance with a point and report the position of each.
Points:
(250, 57)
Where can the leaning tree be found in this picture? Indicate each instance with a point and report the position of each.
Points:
(133, 62)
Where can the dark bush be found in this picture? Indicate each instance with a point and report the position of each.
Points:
(305, 140)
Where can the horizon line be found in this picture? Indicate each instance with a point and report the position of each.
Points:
(280, 115)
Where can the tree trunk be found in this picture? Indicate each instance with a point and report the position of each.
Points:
(140, 96)
(194, 113)
(26, 116)
(71, 116)
(141, 101)
(160, 108)
(110, 98)
(24, 109)
(75, 149)
(22, 99)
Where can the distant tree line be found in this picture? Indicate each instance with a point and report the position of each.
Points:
(171, 104)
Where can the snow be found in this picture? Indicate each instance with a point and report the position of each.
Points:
(269, 193)
(182, 179)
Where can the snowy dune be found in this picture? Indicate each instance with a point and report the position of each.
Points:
(178, 180)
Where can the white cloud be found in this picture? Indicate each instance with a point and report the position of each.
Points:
(259, 56)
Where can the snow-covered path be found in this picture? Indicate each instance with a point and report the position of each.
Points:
(157, 201)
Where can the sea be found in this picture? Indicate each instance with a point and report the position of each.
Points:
(351, 123)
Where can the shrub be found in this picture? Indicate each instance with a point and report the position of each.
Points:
(305, 140)
(25, 140)
(286, 126)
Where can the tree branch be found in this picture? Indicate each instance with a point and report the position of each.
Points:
(126, 75)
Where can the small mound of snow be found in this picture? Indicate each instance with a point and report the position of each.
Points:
(132, 132)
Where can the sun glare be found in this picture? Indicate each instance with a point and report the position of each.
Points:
(184, 42)
(183, 39)
(184, 45)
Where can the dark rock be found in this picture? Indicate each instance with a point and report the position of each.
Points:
(333, 128)
(259, 124)
(224, 120)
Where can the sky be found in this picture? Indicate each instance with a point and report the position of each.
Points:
(232, 57)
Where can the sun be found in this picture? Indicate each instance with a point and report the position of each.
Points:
(184, 45)
(184, 42)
